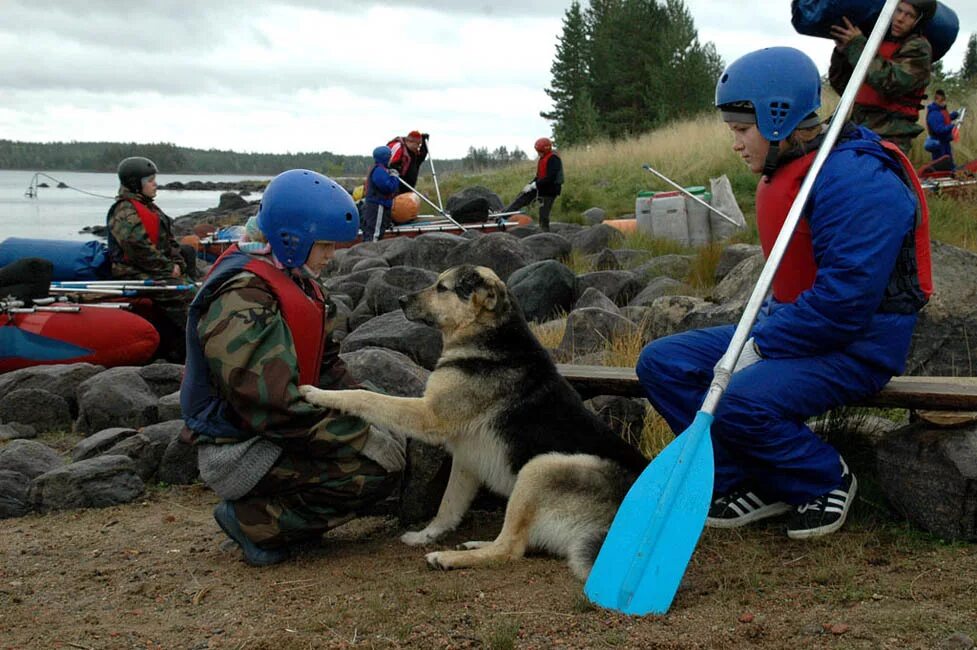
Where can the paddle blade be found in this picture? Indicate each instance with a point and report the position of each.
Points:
(650, 542)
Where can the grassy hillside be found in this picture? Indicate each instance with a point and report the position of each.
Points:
(610, 174)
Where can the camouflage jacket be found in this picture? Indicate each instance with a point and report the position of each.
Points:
(133, 254)
(253, 362)
(908, 71)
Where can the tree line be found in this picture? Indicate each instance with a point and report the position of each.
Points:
(957, 83)
(173, 159)
(624, 67)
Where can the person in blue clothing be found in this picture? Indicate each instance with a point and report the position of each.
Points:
(380, 188)
(940, 124)
(840, 319)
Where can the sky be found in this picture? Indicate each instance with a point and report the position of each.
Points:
(330, 75)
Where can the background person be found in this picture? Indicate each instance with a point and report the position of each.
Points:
(546, 185)
(141, 246)
(940, 124)
(406, 156)
(380, 188)
(286, 471)
(894, 89)
(841, 318)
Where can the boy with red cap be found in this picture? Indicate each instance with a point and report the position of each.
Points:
(406, 156)
(545, 186)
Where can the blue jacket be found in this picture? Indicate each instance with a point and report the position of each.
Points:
(936, 122)
(381, 187)
(857, 237)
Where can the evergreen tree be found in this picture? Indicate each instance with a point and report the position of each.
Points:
(570, 77)
(969, 70)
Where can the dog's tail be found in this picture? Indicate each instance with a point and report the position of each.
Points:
(583, 552)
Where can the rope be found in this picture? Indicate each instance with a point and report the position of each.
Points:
(31, 191)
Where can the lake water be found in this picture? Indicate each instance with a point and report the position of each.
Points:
(61, 213)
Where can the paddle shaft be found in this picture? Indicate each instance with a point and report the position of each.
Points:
(434, 175)
(725, 369)
(440, 211)
(690, 194)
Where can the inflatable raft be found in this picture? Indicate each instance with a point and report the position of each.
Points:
(103, 336)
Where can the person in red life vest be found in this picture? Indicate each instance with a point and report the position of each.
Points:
(840, 319)
(407, 153)
(545, 186)
(380, 188)
(142, 247)
(940, 124)
(259, 327)
(890, 99)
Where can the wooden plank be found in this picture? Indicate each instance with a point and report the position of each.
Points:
(932, 393)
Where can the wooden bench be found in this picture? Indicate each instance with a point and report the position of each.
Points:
(922, 393)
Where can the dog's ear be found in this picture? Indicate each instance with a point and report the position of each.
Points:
(486, 297)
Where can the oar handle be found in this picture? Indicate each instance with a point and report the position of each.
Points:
(725, 369)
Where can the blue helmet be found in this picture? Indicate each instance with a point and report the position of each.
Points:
(382, 155)
(300, 207)
(781, 85)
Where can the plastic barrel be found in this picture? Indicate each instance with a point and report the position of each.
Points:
(669, 219)
(642, 212)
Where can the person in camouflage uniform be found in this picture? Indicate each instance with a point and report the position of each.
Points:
(287, 471)
(142, 247)
(892, 95)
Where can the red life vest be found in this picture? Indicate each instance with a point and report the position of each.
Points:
(305, 316)
(541, 165)
(907, 105)
(150, 220)
(400, 155)
(798, 267)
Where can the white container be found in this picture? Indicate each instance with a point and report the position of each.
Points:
(700, 232)
(669, 219)
(642, 213)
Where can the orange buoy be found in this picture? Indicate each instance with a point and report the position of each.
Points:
(192, 241)
(405, 208)
(624, 225)
(521, 219)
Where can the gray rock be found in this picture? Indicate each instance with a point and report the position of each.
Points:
(168, 407)
(140, 449)
(928, 476)
(594, 239)
(93, 483)
(424, 481)
(16, 431)
(43, 410)
(594, 215)
(384, 290)
(392, 372)
(672, 266)
(29, 457)
(604, 261)
(668, 312)
(619, 286)
(162, 378)
(522, 232)
(956, 641)
(352, 285)
(118, 397)
(543, 289)
(13, 494)
(630, 258)
(547, 245)
(499, 251)
(737, 286)
(394, 332)
(589, 330)
(660, 286)
(160, 437)
(370, 263)
(734, 254)
(231, 201)
(100, 442)
(624, 415)
(430, 252)
(178, 466)
(60, 379)
(460, 198)
(592, 297)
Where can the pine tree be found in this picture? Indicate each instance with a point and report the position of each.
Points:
(969, 70)
(570, 76)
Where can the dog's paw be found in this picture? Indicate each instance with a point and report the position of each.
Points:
(438, 560)
(317, 396)
(418, 538)
(308, 392)
(471, 546)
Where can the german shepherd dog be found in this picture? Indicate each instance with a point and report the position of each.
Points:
(496, 402)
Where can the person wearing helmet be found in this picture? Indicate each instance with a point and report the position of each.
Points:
(545, 186)
(380, 188)
(259, 327)
(892, 95)
(141, 246)
(940, 125)
(407, 153)
(840, 319)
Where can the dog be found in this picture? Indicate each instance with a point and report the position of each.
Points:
(510, 421)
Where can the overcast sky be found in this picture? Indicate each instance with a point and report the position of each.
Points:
(301, 75)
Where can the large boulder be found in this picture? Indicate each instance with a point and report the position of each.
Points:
(178, 466)
(94, 483)
(390, 371)
(29, 457)
(672, 266)
(732, 255)
(589, 330)
(43, 410)
(353, 285)
(384, 290)
(593, 298)
(619, 286)
(499, 251)
(543, 289)
(394, 332)
(660, 286)
(429, 252)
(60, 379)
(547, 246)
(100, 442)
(118, 397)
(595, 239)
(13, 494)
(458, 204)
(162, 378)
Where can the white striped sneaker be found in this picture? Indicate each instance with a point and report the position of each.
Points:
(827, 513)
(741, 507)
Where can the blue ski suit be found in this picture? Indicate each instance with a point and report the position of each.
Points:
(939, 123)
(835, 344)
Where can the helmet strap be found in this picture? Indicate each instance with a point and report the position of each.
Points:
(773, 155)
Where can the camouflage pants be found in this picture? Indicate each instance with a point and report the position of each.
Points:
(311, 488)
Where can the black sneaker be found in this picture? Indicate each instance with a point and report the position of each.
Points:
(253, 554)
(825, 514)
(741, 507)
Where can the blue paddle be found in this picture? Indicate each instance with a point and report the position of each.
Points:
(649, 544)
